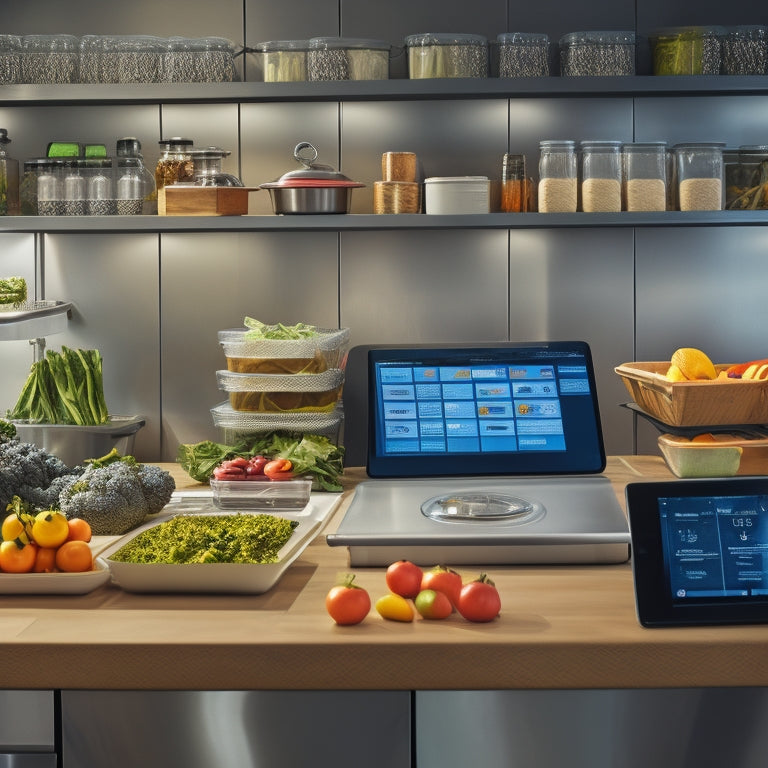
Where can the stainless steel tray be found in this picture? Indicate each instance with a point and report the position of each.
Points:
(33, 319)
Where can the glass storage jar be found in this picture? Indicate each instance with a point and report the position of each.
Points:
(600, 176)
(175, 164)
(134, 195)
(515, 185)
(99, 173)
(198, 60)
(597, 53)
(558, 177)
(9, 178)
(75, 188)
(50, 188)
(523, 54)
(208, 171)
(686, 50)
(446, 55)
(283, 61)
(645, 176)
(50, 59)
(10, 59)
(339, 58)
(699, 171)
(745, 50)
(746, 178)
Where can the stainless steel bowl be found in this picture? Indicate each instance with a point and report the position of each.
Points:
(311, 199)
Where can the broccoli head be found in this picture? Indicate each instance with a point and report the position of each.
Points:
(116, 496)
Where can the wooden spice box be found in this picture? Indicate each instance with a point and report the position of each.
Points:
(183, 200)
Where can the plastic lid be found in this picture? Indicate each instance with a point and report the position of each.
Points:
(282, 45)
(445, 38)
(128, 146)
(688, 32)
(747, 32)
(557, 144)
(455, 179)
(598, 38)
(177, 141)
(316, 43)
(4, 136)
(644, 146)
(523, 38)
(600, 145)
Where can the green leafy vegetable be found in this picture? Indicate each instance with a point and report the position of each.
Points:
(313, 455)
(13, 290)
(259, 330)
(64, 387)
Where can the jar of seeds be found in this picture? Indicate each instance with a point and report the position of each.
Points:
(601, 176)
(10, 59)
(446, 55)
(687, 50)
(523, 54)
(558, 177)
(745, 50)
(338, 58)
(645, 176)
(597, 53)
(699, 170)
(50, 59)
(198, 60)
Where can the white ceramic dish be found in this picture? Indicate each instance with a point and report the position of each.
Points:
(218, 577)
(53, 583)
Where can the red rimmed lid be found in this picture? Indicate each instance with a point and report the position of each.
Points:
(312, 174)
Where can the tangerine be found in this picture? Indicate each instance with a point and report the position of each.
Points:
(74, 557)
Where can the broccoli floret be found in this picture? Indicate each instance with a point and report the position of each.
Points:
(116, 496)
(30, 473)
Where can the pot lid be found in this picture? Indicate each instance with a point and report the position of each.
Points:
(311, 174)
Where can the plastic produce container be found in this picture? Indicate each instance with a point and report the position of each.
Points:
(198, 60)
(601, 176)
(50, 59)
(597, 53)
(700, 177)
(687, 50)
(276, 393)
(263, 494)
(645, 176)
(339, 58)
(284, 61)
(523, 54)
(456, 194)
(558, 176)
(436, 55)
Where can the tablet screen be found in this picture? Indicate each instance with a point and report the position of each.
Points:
(700, 551)
(511, 409)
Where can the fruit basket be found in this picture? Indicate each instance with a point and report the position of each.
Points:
(694, 403)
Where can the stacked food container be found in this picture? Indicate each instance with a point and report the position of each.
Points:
(291, 384)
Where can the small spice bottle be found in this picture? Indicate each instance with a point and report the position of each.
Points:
(600, 176)
(645, 176)
(558, 177)
(514, 185)
(699, 170)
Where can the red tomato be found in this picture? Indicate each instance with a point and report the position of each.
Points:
(255, 467)
(479, 600)
(404, 578)
(347, 603)
(444, 580)
(433, 605)
(278, 469)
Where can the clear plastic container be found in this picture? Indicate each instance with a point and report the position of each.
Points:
(745, 50)
(699, 171)
(10, 59)
(135, 186)
(50, 187)
(198, 60)
(261, 493)
(75, 189)
(515, 185)
(558, 177)
(9, 178)
(645, 176)
(597, 53)
(339, 58)
(449, 195)
(207, 168)
(284, 61)
(437, 55)
(523, 54)
(175, 164)
(101, 189)
(746, 177)
(50, 59)
(687, 50)
(130, 59)
(601, 176)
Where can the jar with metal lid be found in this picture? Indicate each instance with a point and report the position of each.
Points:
(558, 177)
(597, 53)
(523, 54)
(208, 171)
(746, 178)
(283, 61)
(437, 54)
(645, 176)
(339, 58)
(600, 176)
(9, 178)
(175, 164)
(699, 170)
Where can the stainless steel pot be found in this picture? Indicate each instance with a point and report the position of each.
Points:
(313, 189)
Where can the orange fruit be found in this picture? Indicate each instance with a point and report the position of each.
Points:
(704, 437)
(17, 556)
(675, 374)
(45, 560)
(74, 557)
(694, 364)
(79, 529)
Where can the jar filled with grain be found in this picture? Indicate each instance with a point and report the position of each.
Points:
(438, 54)
(645, 176)
(175, 164)
(600, 176)
(699, 170)
(558, 177)
(523, 54)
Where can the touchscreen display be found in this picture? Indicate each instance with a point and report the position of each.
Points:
(715, 547)
(484, 411)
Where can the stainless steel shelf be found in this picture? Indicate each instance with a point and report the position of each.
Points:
(383, 90)
(34, 320)
(364, 221)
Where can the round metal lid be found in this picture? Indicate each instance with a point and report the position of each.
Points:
(311, 174)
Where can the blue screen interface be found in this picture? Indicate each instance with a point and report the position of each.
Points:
(475, 408)
(715, 547)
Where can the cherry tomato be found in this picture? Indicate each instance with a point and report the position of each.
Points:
(404, 578)
(433, 605)
(347, 603)
(17, 556)
(395, 608)
(278, 469)
(443, 579)
(479, 600)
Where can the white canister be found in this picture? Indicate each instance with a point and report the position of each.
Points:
(457, 194)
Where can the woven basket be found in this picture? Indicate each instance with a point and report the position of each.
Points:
(695, 403)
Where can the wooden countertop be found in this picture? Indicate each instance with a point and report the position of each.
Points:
(560, 627)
